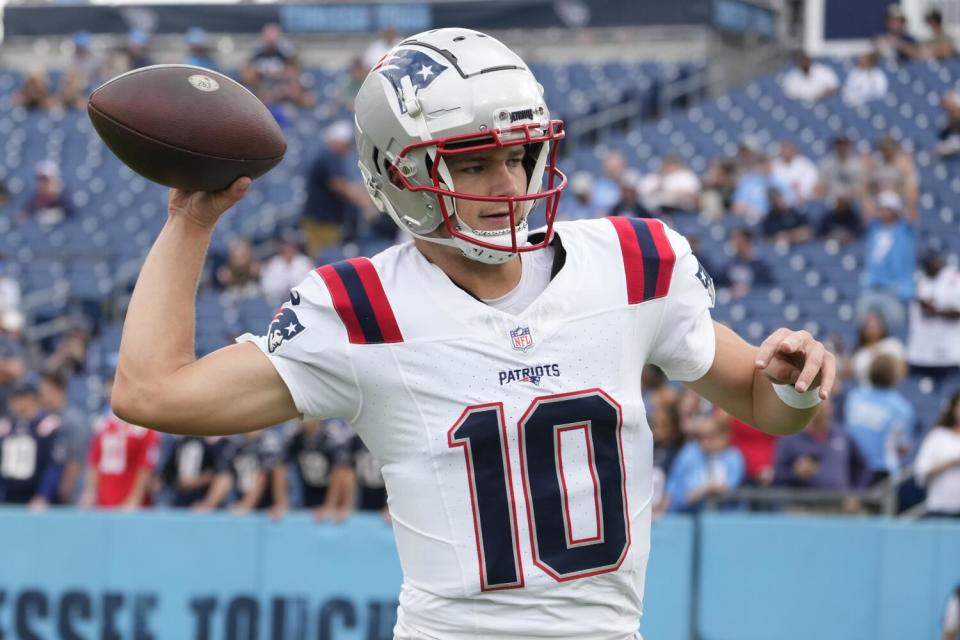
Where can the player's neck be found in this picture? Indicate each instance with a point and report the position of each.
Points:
(483, 281)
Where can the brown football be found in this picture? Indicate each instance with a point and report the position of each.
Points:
(186, 127)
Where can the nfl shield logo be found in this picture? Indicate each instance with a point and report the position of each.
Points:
(522, 340)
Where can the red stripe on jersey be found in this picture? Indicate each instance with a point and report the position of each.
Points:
(342, 303)
(632, 258)
(378, 299)
(668, 258)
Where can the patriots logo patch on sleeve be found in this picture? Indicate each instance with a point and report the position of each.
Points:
(284, 326)
(707, 283)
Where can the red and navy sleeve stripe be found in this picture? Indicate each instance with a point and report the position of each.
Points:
(361, 302)
(648, 257)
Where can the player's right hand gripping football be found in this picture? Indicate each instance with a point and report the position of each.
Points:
(205, 208)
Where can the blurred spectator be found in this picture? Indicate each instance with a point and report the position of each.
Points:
(933, 348)
(69, 357)
(842, 186)
(889, 262)
(629, 204)
(606, 191)
(865, 82)
(4, 194)
(332, 198)
(199, 53)
(34, 94)
(247, 466)
(285, 270)
(320, 452)
(387, 40)
(671, 189)
(86, 68)
(951, 616)
(9, 288)
(76, 431)
(895, 42)
(757, 449)
(349, 84)
(797, 171)
(949, 144)
(579, 205)
(809, 81)
(12, 363)
(73, 92)
(873, 340)
(893, 170)
(938, 463)
(190, 469)
(121, 460)
(371, 490)
(705, 468)
(668, 439)
(939, 46)
(745, 269)
(291, 89)
(135, 50)
(718, 187)
(270, 58)
(33, 449)
(783, 223)
(880, 419)
(822, 456)
(49, 204)
(751, 200)
(240, 276)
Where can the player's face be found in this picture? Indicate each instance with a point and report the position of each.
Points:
(498, 172)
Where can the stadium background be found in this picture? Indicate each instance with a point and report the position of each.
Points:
(694, 78)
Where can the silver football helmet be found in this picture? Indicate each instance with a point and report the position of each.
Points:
(447, 92)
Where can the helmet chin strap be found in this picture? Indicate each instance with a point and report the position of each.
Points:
(500, 236)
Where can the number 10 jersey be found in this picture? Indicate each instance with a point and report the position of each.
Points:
(515, 448)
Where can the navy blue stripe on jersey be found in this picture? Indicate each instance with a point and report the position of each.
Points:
(651, 258)
(360, 302)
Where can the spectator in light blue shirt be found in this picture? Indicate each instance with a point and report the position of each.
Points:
(880, 419)
(707, 467)
(199, 54)
(751, 199)
(606, 191)
(580, 206)
(889, 263)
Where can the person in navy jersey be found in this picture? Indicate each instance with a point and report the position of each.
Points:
(319, 450)
(33, 450)
(190, 469)
(246, 467)
(371, 491)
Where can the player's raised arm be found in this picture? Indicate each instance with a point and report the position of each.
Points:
(159, 381)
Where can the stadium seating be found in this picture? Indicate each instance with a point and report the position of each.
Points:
(91, 259)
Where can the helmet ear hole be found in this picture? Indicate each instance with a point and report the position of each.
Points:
(393, 174)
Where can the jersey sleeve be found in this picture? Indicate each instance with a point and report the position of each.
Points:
(684, 344)
(307, 344)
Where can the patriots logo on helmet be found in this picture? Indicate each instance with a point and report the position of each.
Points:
(284, 326)
(409, 63)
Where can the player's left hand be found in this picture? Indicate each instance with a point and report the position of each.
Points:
(797, 358)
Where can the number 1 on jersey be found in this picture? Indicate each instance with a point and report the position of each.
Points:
(481, 431)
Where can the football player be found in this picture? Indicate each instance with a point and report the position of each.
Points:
(492, 370)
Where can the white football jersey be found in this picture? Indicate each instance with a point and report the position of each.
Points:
(515, 448)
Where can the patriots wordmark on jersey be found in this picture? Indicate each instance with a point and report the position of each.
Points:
(515, 448)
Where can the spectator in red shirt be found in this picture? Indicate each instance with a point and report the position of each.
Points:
(757, 448)
(119, 465)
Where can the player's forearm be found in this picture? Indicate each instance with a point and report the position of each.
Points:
(771, 414)
(158, 331)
